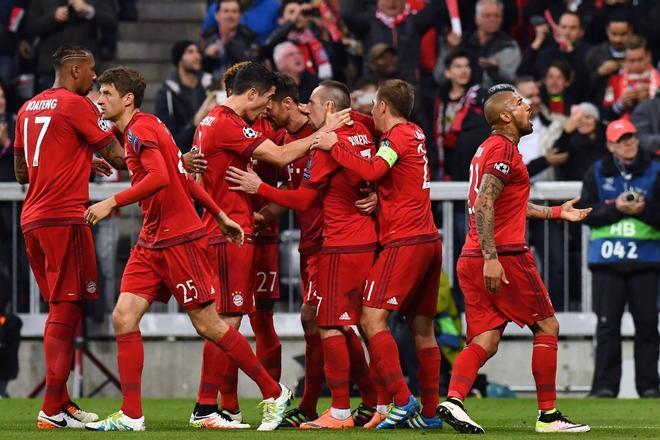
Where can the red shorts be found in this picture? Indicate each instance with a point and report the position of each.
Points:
(309, 278)
(340, 282)
(63, 261)
(234, 266)
(406, 278)
(266, 268)
(182, 270)
(524, 300)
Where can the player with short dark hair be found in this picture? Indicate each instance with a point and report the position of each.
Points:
(406, 275)
(57, 132)
(349, 243)
(511, 288)
(228, 138)
(170, 258)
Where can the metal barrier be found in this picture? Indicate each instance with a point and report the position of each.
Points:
(446, 197)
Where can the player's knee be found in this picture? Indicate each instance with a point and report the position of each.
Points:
(549, 326)
(124, 321)
(371, 326)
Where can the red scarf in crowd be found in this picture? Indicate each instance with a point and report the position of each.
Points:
(392, 22)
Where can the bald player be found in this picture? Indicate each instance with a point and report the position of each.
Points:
(511, 288)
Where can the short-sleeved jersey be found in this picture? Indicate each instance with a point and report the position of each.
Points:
(404, 199)
(169, 215)
(268, 173)
(500, 157)
(226, 140)
(311, 219)
(343, 225)
(57, 131)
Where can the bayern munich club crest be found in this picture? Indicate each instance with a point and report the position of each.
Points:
(237, 299)
(90, 287)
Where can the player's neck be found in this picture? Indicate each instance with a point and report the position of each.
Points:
(125, 119)
(508, 133)
(63, 83)
(236, 104)
(296, 122)
(390, 121)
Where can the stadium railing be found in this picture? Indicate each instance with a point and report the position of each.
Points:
(170, 321)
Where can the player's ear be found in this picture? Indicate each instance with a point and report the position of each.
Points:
(129, 99)
(506, 117)
(75, 71)
(252, 94)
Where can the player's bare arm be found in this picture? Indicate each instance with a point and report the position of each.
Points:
(232, 232)
(566, 211)
(114, 155)
(281, 156)
(484, 216)
(21, 170)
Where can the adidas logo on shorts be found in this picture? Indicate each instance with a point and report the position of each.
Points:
(393, 301)
(344, 317)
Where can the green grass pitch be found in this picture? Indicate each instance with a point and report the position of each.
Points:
(502, 419)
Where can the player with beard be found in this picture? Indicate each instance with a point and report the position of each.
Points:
(511, 288)
(227, 138)
(349, 242)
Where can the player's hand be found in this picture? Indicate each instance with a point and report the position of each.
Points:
(100, 167)
(368, 204)
(99, 211)
(336, 120)
(246, 181)
(324, 141)
(260, 223)
(572, 214)
(232, 232)
(61, 14)
(194, 161)
(494, 275)
(80, 6)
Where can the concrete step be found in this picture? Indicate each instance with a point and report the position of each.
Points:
(171, 10)
(143, 51)
(152, 88)
(160, 31)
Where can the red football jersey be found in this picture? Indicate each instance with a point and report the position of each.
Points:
(311, 219)
(269, 173)
(343, 225)
(404, 200)
(57, 131)
(500, 157)
(169, 215)
(226, 140)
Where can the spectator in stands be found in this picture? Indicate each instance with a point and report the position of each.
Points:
(11, 24)
(554, 93)
(289, 60)
(606, 59)
(586, 9)
(565, 45)
(494, 55)
(638, 80)
(231, 44)
(10, 340)
(259, 15)
(183, 93)
(583, 140)
(536, 148)
(7, 124)
(623, 189)
(646, 118)
(73, 22)
(382, 63)
(392, 22)
(297, 26)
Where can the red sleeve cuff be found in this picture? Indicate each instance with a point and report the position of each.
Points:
(247, 153)
(19, 151)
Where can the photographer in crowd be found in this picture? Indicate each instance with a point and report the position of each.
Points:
(623, 189)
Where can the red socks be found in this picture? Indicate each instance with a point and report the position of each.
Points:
(209, 384)
(314, 376)
(360, 369)
(544, 369)
(383, 396)
(269, 349)
(383, 350)
(239, 351)
(130, 357)
(228, 383)
(63, 318)
(428, 377)
(465, 370)
(337, 370)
